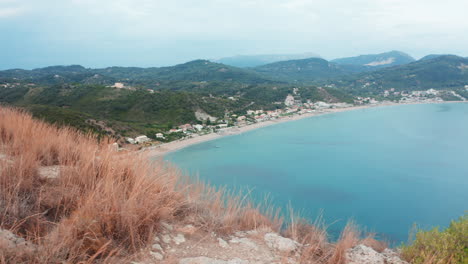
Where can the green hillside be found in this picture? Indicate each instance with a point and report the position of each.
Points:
(441, 72)
(245, 61)
(307, 70)
(381, 60)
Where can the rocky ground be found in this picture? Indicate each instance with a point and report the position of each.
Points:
(189, 245)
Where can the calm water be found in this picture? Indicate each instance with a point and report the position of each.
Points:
(386, 168)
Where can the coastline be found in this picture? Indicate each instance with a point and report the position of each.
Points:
(160, 150)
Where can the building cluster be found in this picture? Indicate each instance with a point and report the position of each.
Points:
(13, 85)
(293, 103)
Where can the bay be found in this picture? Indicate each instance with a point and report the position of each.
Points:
(385, 168)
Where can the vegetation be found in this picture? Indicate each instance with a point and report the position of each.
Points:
(441, 72)
(392, 58)
(449, 246)
(130, 112)
(307, 70)
(75, 199)
(154, 100)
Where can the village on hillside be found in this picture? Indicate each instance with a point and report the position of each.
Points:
(293, 106)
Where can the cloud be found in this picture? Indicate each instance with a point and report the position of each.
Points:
(186, 29)
(11, 8)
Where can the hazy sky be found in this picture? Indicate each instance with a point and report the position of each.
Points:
(99, 33)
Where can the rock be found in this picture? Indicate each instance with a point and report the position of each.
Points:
(157, 256)
(240, 234)
(206, 260)
(167, 226)
(362, 254)
(280, 243)
(392, 257)
(252, 232)
(188, 229)
(8, 240)
(166, 239)
(157, 247)
(223, 243)
(179, 239)
(49, 172)
(245, 242)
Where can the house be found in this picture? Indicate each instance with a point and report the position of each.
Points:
(118, 85)
(241, 118)
(222, 125)
(321, 105)
(159, 135)
(289, 101)
(142, 139)
(186, 127)
(198, 127)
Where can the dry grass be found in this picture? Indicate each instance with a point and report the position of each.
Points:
(317, 249)
(104, 205)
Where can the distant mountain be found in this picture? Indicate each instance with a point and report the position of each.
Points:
(307, 70)
(382, 60)
(433, 56)
(441, 72)
(198, 70)
(245, 61)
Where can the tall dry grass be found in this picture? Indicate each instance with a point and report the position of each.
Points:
(102, 205)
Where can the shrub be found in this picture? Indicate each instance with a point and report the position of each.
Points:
(449, 246)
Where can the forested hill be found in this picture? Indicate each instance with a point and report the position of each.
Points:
(438, 72)
(377, 61)
(198, 70)
(307, 70)
(130, 101)
(127, 101)
(258, 60)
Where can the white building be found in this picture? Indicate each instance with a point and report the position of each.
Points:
(130, 140)
(321, 105)
(289, 101)
(142, 139)
(159, 135)
(241, 118)
(198, 127)
(118, 85)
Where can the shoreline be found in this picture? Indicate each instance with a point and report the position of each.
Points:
(160, 150)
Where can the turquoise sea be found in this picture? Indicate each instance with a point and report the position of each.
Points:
(386, 168)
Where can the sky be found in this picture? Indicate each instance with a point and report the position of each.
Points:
(101, 33)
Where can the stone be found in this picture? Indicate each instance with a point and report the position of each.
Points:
(245, 242)
(167, 226)
(188, 229)
(166, 239)
(49, 172)
(222, 243)
(280, 243)
(179, 239)
(206, 260)
(362, 254)
(11, 241)
(157, 256)
(157, 247)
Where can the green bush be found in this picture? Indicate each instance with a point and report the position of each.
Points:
(434, 246)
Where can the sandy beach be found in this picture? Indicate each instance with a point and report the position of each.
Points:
(161, 150)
